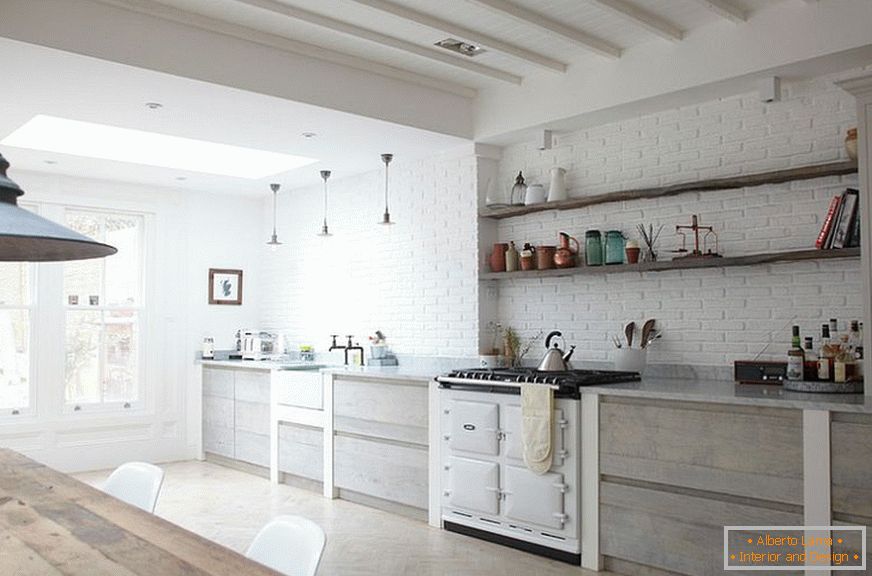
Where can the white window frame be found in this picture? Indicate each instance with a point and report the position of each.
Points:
(29, 411)
(142, 311)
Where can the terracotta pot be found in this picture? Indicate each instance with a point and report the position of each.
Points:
(498, 257)
(564, 257)
(633, 255)
(545, 257)
(851, 143)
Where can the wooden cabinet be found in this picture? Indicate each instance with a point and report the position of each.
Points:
(851, 469)
(381, 443)
(673, 474)
(301, 451)
(236, 414)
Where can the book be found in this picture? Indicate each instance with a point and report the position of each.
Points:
(842, 229)
(828, 222)
(854, 241)
(838, 216)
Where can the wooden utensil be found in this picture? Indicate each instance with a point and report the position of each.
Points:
(647, 328)
(628, 332)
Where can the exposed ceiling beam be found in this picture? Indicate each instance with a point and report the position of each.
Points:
(465, 34)
(525, 16)
(285, 44)
(725, 9)
(642, 18)
(378, 38)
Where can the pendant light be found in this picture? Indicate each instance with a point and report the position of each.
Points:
(325, 174)
(26, 237)
(386, 217)
(274, 240)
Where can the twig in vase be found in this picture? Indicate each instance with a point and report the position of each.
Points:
(649, 237)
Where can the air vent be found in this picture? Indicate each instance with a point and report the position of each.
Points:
(460, 47)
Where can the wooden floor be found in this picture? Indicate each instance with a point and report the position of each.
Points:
(229, 506)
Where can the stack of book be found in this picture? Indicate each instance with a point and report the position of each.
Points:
(841, 227)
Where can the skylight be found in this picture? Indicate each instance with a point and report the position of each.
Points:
(91, 140)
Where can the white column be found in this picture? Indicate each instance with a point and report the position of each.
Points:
(273, 427)
(329, 488)
(861, 88)
(434, 470)
(590, 548)
(816, 478)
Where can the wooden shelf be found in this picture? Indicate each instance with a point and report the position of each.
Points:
(680, 264)
(732, 182)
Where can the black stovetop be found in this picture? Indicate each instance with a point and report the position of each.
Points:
(566, 383)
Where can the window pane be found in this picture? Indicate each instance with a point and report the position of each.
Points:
(121, 356)
(83, 382)
(83, 279)
(14, 284)
(14, 359)
(122, 269)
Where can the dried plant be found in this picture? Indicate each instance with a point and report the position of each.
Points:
(649, 237)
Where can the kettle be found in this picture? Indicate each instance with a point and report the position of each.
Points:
(555, 360)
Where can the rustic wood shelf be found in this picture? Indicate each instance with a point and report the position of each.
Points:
(680, 264)
(729, 183)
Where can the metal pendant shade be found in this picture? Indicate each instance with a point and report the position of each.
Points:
(26, 237)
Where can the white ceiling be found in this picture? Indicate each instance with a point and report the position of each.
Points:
(40, 80)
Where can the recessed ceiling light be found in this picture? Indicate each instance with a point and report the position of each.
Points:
(153, 105)
(50, 161)
(181, 178)
(460, 47)
(309, 134)
(90, 140)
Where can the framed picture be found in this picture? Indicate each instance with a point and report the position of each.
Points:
(225, 286)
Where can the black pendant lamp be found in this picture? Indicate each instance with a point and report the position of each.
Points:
(26, 237)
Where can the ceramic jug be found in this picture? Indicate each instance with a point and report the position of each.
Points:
(564, 257)
(512, 258)
(557, 191)
(498, 257)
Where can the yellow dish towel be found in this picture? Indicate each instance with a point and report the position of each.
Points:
(537, 410)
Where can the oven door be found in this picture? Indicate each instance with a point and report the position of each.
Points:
(535, 499)
(474, 485)
(514, 446)
(474, 427)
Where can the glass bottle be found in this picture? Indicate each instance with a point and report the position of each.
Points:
(593, 248)
(795, 357)
(614, 247)
(810, 364)
(825, 355)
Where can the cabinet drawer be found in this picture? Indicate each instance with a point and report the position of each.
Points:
(252, 417)
(218, 440)
(251, 448)
(252, 386)
(737, 450)
(384, 470)
(393, 402)
(851, 438)
(301, 451)
(298, 388)
(218, 412)
(218, 382)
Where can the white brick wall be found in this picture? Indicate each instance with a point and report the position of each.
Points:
(416, 280)
(709, 316)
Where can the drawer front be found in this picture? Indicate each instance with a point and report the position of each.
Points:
(851, 438)
(252, 386)
(534, 498)
(299, 388)
(301, 451)
(218, 382)
(389, 471)
(704, 447)
(474, 427)
(393, 402)
(252, 448)
(218, 412)
(252, 417)
(218, 439)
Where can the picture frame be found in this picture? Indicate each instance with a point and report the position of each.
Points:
(225, 287)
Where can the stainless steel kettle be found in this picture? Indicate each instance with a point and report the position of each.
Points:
(555, 360)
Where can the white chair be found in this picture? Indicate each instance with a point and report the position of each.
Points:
(291, 545)
(136, 483)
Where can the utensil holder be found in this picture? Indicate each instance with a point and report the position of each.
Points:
(631, 359)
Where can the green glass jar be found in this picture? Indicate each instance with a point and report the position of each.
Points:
(593, 248)
(614, 247)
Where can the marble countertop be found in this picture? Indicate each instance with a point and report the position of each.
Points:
(729, 392)
(263, 364)
(410, 372)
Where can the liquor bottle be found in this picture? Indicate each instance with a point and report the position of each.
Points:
(810, 364)
(795, 357)
(834, 329)
(854, 340)
(825, 355)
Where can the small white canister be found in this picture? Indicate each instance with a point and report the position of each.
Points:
(631, 359)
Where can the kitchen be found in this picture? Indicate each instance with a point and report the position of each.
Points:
(364, 305)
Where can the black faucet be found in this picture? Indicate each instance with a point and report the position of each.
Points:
(348, 347)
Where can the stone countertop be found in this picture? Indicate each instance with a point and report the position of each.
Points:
(410, 372)
(263, 364)
(729, 392)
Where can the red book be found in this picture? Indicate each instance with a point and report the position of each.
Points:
(828, 221)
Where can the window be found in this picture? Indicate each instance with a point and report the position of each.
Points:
(103, 299)
(15, 314)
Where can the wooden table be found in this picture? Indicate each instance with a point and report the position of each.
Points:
(52, 524)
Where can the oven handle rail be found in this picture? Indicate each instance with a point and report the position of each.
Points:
(475, 381)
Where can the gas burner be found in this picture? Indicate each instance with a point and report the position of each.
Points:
(508, 380)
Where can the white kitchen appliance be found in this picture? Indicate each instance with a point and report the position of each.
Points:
(257, 344)
(486, 490)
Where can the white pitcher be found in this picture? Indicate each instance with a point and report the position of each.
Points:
(557, 191)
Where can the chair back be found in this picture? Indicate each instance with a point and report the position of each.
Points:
(291, 545)
(137, 483)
